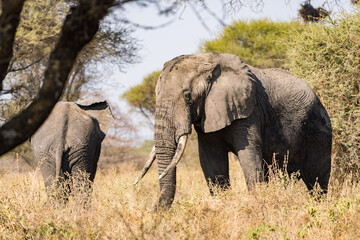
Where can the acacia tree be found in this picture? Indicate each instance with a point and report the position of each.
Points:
(259, 43)
(142, 96)
(79, 27)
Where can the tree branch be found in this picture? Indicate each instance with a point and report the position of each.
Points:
(204, 6)
(199, 17)
(24, 67)
(79, 28)
(9, 20)
(147, 116)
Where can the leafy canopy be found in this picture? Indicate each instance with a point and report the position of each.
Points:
(259, 43)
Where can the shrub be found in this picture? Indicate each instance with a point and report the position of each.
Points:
(328, 56)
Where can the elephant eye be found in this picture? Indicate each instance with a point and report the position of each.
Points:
(187, 96)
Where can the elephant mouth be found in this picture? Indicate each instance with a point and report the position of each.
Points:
(175, 160)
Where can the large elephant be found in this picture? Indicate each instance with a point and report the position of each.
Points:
(69, 141)
(254, 113)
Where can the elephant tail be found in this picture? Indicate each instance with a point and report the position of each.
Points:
(58, 161)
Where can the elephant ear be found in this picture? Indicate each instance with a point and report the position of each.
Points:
(232, 95)
(100, 110)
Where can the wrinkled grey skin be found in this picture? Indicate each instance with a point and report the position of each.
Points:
(70, 139)
(254, 113)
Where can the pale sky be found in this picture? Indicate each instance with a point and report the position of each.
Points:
(184, 37)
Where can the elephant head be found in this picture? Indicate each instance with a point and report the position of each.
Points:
(207, 90)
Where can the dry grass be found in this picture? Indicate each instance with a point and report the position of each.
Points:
(281, 209)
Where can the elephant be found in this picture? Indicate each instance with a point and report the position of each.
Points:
(69, 141)
(254, 113)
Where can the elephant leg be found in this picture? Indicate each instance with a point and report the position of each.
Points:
(247, 146)
(92, 166)
(317, 166)
(82, 178)
(250, 160)
(57, 188)
(214, 163)
(317, 159)
(48, 172)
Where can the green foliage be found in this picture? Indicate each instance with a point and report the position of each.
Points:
(328, 57)
(142, 96)
(261, 230)
(259, 43)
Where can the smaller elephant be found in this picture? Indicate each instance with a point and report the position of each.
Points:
(69, 141)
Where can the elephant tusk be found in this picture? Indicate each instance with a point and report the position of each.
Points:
(179, 152)
(147, 166)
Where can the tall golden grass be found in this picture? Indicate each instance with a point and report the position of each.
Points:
(280, 209)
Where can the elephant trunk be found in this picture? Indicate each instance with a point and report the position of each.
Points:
(172, 125)
(168, 182)
(165, 148)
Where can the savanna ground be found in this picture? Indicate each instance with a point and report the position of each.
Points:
(281, 209)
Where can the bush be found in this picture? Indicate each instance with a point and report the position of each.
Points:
(328, 56)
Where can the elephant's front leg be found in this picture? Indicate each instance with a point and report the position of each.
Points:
(214, 163)
(250, 160)
(247, 143)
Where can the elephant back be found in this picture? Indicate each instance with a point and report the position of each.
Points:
(68, 126)
(45, 138)
(290, 100)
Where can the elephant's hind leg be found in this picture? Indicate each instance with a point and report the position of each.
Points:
(317, 163)
(215, 165)
(317, 148)
(48, 172)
